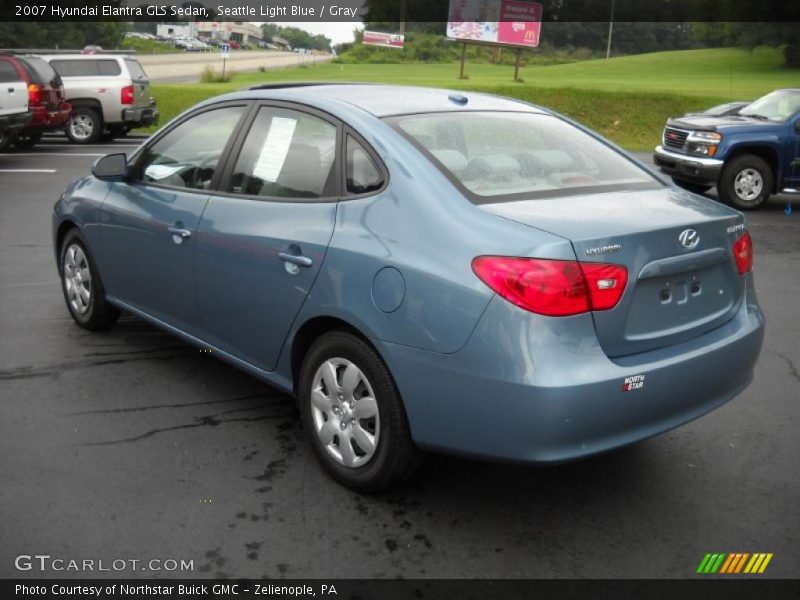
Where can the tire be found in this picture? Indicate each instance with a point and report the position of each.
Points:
(26, 141)
(86, 302)
(393, 457)
(85, 126)
(6, 138)
(695, 188)
(745, 182)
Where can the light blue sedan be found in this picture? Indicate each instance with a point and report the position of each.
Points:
(422, 269)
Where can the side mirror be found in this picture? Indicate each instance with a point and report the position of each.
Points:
(111, 167)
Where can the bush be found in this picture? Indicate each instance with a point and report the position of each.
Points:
(210, 75)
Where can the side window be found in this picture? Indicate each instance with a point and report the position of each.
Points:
(187, 156)
(8, 72)
(362, 174)
(287, 154)
(86, 67)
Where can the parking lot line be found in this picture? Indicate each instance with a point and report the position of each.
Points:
(28, 171)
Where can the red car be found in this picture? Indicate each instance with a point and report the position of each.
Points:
(46, 100)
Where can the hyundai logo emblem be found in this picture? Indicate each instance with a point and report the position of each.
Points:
(689, 238)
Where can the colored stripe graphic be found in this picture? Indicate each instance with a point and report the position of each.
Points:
(734, 563)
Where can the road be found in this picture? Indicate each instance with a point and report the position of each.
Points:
(187, 66)
(130, 444)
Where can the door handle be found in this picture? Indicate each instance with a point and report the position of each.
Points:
(180, 232)
(296, 259)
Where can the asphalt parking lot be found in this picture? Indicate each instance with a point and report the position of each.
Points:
(131, 444)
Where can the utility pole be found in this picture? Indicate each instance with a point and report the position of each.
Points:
(610, 31)
(402, 17)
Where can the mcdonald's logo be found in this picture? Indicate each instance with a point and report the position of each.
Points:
(734, 563)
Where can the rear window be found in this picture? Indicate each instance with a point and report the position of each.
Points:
(38, 70)
(88, 67)
(135, 69)
(498, 156)
(8, 72)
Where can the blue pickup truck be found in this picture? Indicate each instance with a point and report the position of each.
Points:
(747, 156)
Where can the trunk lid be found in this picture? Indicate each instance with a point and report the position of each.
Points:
(675, 291)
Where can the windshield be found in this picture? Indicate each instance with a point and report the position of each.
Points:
(496, 156)
(775, 106)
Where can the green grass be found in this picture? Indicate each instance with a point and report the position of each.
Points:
(627, 99)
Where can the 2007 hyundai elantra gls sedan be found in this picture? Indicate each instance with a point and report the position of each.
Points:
(421, 269)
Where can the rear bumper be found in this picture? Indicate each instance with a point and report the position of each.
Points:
(521, 390)
(44, 118)
(15, 122)
(695, 169)
(140, 116)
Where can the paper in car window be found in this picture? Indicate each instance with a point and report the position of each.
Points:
(159, 172)
(273, 153)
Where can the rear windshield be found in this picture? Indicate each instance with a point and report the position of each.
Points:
(38, 70)
(135, 69)
(86, 67)
(498, 156)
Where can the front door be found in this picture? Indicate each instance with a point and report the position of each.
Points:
(148, 224)
(261, 241)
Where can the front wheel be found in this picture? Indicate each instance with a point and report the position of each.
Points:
(354, 415)
(745, 182)
(695, 188)
(83, 290)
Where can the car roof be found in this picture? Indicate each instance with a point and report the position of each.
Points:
(84, 56)
(388, 100)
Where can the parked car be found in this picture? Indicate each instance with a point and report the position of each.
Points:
(721, 110)
(110, 95)
(46, 99)
(14, 112)
(748, 156)
(234, 45)
(421, 269)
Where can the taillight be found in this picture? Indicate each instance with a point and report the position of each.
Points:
(743, 253)
(126, 95)
(34, 95)
(555, 288)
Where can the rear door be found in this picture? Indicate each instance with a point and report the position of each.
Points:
(262, 240)
(141, 83)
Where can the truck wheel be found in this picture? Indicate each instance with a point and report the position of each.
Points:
(354, 416)
(5, 140)
(745, 182)
(84, 126)
(26, 141)
(695, 188)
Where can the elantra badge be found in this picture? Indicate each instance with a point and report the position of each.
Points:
(689, 238)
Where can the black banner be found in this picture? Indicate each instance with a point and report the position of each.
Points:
(733, 588)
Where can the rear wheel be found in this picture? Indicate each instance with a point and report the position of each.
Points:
(83, 290)
(5, 140)
(84, 125)
(695, 188)
(354, 415)
(25, 141)
(746, 182)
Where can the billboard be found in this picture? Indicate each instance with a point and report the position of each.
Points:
(505, 22)
(378, 38)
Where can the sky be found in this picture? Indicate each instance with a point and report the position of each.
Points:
(337, 32)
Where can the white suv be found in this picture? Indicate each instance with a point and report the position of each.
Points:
(110, 95)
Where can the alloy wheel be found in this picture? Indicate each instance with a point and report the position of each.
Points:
(748, 184)
(81, 127)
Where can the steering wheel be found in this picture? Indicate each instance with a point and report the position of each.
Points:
(197, 174)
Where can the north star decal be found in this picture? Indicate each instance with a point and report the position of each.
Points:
(634, 382)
